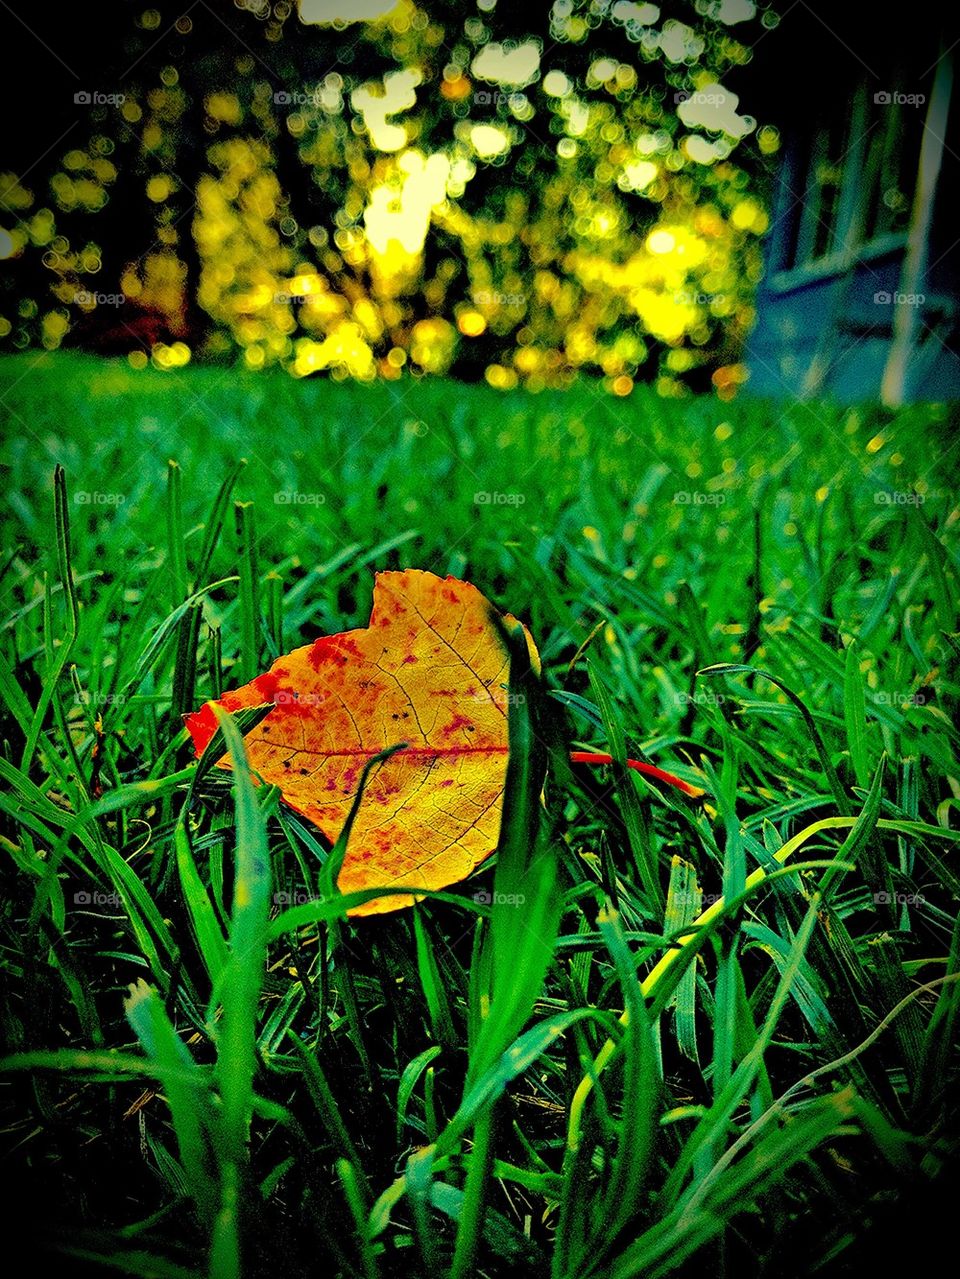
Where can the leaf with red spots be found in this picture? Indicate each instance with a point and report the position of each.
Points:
(431, 671)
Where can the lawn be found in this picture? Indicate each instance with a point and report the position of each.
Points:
(598, 1082)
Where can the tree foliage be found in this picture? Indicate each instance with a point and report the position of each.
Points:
(515, 192)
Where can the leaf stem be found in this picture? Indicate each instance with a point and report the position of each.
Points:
(648, 770)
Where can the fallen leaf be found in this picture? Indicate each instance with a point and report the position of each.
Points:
(431, 671)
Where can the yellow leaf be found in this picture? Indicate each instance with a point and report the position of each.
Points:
(430, 671)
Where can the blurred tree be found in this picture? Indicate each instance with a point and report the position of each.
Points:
(515, 192)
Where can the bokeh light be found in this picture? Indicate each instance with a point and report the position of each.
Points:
(374, 189)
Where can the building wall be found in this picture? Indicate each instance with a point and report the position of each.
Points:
(864, 248)
(831, 336)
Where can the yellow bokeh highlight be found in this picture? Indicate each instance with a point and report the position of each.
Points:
(432, 344)
(174, 356)
(224, 107)
(489, 140)
(661, 241)
(159, 187)
(345, 349)
(376, 101)
(503, 379)
(471, 323)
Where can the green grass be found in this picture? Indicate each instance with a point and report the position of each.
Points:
(604, 1081)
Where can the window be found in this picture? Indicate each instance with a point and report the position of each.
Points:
(814, 197)
(890, 168)
(850, 184)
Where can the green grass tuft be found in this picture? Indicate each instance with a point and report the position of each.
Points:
(653, 1036)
